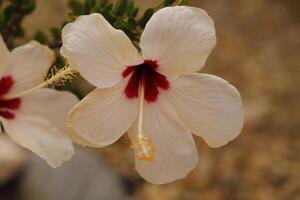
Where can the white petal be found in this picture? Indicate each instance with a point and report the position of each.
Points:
(50, 104)
(209, 106)
(41, 137)
(180, 38)
(97, 50)
(103, 116)
(4, 54)
(54, 106)
(176, 153)
(28, 65)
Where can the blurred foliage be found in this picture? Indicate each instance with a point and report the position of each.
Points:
(123, 15)
(11, 17)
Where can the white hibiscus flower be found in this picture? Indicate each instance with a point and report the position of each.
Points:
(157, 96)
(35, 120)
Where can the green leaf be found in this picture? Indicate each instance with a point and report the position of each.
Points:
(120, 24)
(147, 15)
(55, 31)
(120, 7)
(89, 5)
(135, 12)
(183, 2)
(132, 23)
(130, 8)
(108, 14)
(28, 7)
(41, 37)
(76, 7)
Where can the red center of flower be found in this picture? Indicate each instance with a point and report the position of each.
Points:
(6, 106)
(146, 75)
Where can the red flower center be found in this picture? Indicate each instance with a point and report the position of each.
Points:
(6, 106)
(146, 75)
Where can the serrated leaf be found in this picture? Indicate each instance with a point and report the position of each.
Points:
(130, 8)
(108, 14)
(98, 7)
(135, 12)
(132, 23)
(147, 15)
(120, 8)
(120, 24)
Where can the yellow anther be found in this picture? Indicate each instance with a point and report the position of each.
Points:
(59, 77)
(143, 146)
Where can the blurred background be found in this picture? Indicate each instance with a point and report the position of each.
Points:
(258, 51)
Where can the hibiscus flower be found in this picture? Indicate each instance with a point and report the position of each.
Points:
(156, 96)
(35, 120)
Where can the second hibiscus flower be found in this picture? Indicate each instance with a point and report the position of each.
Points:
(156, 96)
(36, 120)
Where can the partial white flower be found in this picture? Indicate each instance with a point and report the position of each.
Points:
(157, 96)
(37, 120)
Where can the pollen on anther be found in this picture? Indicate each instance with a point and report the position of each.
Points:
(144, 147)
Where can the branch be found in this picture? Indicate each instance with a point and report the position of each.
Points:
(12, 23)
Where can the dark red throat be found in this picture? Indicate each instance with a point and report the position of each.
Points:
(6, 106)
(146, 75)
